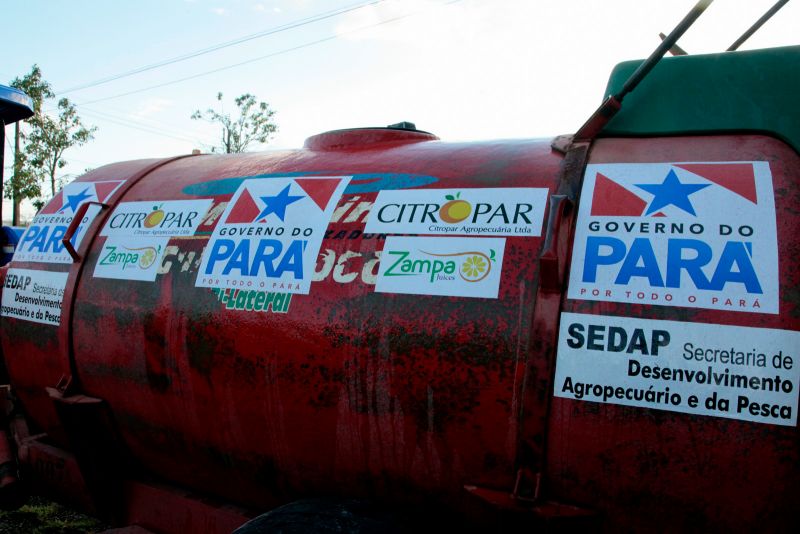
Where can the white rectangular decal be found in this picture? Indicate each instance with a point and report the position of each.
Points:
(514, 211)
(270, 234)
(157, 218)
(448, 266)
(737, 372)
(699, 235)
(41, 241)
(130, 258)
(34, 296)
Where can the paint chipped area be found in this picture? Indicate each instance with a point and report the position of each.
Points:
(343, 384)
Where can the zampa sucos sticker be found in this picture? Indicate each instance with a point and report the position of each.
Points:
(270, 234)
(699, 235)
(41, 242)
(447, 266)
(130, 258)
(137, 234)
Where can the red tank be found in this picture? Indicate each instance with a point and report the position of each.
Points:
(385, 315)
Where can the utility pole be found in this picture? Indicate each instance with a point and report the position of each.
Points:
(14, 200)
(2, 162)
(14, 107)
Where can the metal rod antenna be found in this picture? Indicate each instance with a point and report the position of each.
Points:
(675, 50)
(613, 103)
(760, 22)
(663, 48)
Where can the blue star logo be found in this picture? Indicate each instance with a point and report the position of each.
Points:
(73, 201)
(277, 204)
(671, 192)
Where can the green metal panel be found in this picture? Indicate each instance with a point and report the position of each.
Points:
(752, 91)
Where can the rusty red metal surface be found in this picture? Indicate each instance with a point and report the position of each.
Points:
(690, 472)
(401, 398)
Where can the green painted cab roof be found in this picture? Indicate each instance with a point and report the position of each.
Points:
(752, 91)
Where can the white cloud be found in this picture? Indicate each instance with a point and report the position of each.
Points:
(415, 18)
(261, 8)
(151, 106)
(221, 11)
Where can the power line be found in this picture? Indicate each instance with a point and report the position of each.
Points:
(157, 125)
(260, 58)
(226, 44)
(144, 120)
(158, 129)
(93, 164)
(142, 128)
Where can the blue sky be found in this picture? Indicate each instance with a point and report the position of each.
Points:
(463, 69)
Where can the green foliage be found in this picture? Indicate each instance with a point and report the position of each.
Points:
(51, 137)
(39, 516)
(26, 178)
(35, 87)
(38, 204)
(254, 124)
(44, 139)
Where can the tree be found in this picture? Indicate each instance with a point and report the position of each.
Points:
(25, 181)
(51, 137)
(254, 124)
(45, 142)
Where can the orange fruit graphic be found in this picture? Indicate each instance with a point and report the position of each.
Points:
(477, 265)
(154, 218)
(474, 266)
(456, 210)
(147, 258)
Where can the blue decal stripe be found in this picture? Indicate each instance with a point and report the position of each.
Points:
(360, 183)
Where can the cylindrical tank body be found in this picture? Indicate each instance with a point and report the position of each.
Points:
(357, 389)
(342, 386)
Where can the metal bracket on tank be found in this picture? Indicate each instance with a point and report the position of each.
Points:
(64, 384)
(73, 227)
(524, 504)
(553, 260)
(101, 456)
(69, 383)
